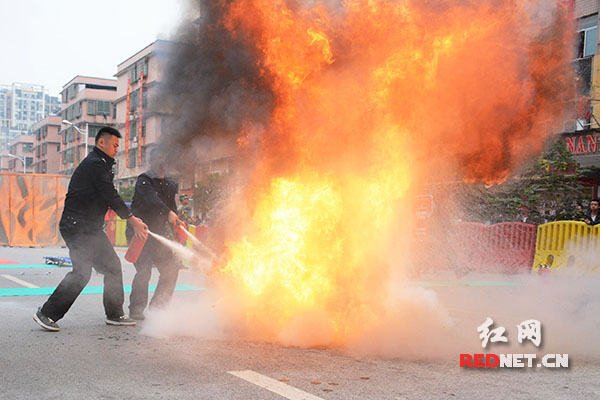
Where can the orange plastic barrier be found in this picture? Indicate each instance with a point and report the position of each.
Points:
(30, 209)
(469, 245)
(509, 246)
(512, 245)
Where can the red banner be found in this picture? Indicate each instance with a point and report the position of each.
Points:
(140, 122)
(127, 123)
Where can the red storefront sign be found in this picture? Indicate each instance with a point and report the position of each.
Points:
(586, 144)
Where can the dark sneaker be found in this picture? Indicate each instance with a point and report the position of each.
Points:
(137, 316)
(45, 322)
(123, 320)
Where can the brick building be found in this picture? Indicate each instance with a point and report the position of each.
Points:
(47, 145)
(88, 103)
(21, 149)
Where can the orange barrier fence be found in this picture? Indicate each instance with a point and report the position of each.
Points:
(508, 245)
(30, 209)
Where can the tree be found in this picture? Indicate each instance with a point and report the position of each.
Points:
(207, 194)
(544, 192)
(127, 193)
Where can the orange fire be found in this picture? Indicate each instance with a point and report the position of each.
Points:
(373, 98)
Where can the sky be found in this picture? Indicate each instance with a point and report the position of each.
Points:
(48, 42)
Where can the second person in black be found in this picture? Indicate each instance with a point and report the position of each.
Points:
(154, 202)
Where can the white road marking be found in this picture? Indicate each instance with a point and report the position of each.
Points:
(19, 281)
(287, 391)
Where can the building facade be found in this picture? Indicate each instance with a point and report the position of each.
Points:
(21, 151)
(580, 133)
(88, 103)
(5, 112)
(47, 145)
(142, 124)
(21, 106)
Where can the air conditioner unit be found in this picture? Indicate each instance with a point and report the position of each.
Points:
(570, 125)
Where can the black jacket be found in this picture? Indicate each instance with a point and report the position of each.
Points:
(592, 222)
(153, 199)
(91, 192)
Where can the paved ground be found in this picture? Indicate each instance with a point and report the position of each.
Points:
(88, 359)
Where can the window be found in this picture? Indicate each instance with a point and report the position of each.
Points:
(27, 147)
(587, 32)
(71, 134)
(132, 158)
(135, 71)
(58, 148)
(44, 167)
(103, 108)
(93, 130)
(45, 149)
(91, 107)
(133, 131)
(29, 161)
(134, 101)
(69, 156)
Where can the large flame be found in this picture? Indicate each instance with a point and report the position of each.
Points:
(372, 98)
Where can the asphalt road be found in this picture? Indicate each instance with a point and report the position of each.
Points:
(88, 359)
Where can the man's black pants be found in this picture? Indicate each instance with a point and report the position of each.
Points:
(154, 254)
(87, 251)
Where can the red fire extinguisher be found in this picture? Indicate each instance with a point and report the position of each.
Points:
(180, 234)
(134, 249)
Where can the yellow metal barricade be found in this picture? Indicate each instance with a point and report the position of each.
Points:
(120, 238)
(566, 244)
(192, 230)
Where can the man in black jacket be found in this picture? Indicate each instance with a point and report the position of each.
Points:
(154, 202)
(594, 215)
(91, 192)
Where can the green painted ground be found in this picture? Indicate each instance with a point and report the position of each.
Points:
(45, 291)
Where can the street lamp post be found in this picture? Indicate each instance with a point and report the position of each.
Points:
(19, 158)
(87, 139)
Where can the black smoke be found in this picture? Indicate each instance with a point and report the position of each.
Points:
(212, 86)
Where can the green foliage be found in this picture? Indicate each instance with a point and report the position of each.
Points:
(127, 193)
(207, 193)
(546, 191)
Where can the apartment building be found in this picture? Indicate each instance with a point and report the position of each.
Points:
(88, 103)
(21, 153)
(142, 124)
(47, 145)
(21, 106)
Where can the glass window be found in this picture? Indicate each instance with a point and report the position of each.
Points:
(591, 42)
